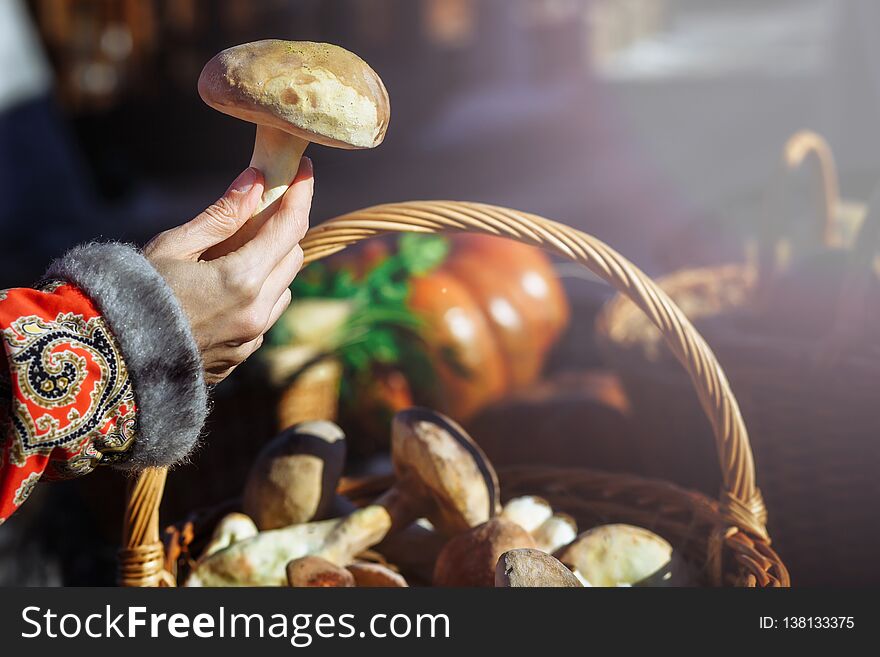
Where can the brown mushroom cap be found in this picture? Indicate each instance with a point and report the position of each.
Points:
(435, 459)
(469, 559)
(315, 572)
(316, 91)
(293, 479)
(375, 575)
(525, 567)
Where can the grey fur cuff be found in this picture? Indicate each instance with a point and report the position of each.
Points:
(154, 335)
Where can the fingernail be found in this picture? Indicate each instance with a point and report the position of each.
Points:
(307, 170)
(245, 180)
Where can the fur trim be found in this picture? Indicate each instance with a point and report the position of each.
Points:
(157, 344)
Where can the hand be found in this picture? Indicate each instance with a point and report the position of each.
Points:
(233, 300)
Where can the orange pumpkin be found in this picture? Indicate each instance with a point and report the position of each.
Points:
(466, 356)
(496, 307)
(530, 270)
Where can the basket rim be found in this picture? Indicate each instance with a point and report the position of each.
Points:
(621, 326)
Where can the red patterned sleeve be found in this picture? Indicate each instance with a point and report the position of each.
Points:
(66, 401)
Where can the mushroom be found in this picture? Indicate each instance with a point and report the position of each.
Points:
(375, 575)
(262, 559)
(619, 555)
(470, 558)
(296, 92)
(558, 530)
(534, 514)
(414, 550)
(441, 474)
(233, 527)
(524, 567)
(294, 477)
(528, 511)
(315, 572)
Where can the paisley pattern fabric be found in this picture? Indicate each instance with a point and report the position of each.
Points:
(66, 401)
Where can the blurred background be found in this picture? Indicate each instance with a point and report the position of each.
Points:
(656, 125)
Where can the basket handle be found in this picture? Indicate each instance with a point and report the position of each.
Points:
(800, 146)
(741, 503)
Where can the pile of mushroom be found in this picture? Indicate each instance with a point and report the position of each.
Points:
(441, 523)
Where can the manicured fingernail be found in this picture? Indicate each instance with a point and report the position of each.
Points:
(245, 180)
(307, 170)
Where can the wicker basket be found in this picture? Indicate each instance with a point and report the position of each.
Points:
(809, 397)
(728, 538)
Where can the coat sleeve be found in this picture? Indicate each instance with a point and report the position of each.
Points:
(100, 368)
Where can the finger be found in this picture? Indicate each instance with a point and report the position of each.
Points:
(282, 276)
(280, 306)
(284, 229)
(233, 356)
(223, 218)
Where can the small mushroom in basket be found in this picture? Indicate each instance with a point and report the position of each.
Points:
(469, 559)
(375, 575)
(534, 514)
(441, 474)
(262, 559)
(293, 479)
(620, 555)
(527, 568)
(558, 530)
(315, 572)
(527, 511)
(233, 527)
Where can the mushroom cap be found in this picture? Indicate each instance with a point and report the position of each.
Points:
(294, 477)
(315, 572)
(525, 567)
(619, 555)
(528, 511)
(233, 527)
(557, 531)
(434, 458)
(469, 559)
(375, 575)
(316, 91)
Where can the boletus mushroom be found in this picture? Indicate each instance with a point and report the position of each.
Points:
(528, 511)
(527, 568)
(619, 555)
(469, 559)
(296, 92)
(262, 559)
(441, 474)
(315, 572)
(558, 530)
(375, 575)
(233, 527)
(294, 477)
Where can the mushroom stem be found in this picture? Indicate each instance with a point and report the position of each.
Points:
(391, 513)
(276, 155)
(355, 533)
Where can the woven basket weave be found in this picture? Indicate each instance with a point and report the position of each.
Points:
(728, 538)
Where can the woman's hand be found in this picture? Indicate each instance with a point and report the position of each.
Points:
(233, 300)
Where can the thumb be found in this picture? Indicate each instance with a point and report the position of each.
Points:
(225, 216)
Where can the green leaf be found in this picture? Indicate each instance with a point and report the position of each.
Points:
(420, 254)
